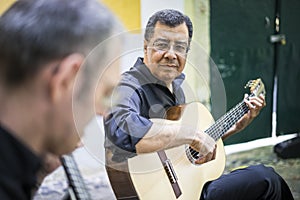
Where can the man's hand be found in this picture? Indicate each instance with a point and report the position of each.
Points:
(208, 157)
(255, 104)
(206, 146)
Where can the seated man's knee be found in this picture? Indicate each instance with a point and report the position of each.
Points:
(263, 173)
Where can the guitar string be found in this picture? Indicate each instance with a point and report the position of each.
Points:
(229, 120)
(240, 109)
(77, 180)
(224, 123)
(216, 127)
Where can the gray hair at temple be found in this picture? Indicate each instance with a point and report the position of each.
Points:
(35, 32)
(170, 18)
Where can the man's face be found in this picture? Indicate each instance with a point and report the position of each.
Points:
(165, 53)
(106, 84)
(76, 106)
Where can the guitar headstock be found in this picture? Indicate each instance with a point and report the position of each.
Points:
(257, 87)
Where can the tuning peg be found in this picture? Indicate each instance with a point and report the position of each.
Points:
(249, 84)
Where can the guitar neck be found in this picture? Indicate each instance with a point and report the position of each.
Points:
(74, 177)
(224, 123)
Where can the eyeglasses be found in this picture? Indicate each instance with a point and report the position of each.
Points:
(178, 47)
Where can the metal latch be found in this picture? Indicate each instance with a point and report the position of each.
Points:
(278, 38)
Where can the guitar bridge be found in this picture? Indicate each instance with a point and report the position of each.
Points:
(170, 171)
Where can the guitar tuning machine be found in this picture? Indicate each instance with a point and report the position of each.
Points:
(252, 84)
(249, 84)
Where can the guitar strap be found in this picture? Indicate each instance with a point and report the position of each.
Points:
(170, 172)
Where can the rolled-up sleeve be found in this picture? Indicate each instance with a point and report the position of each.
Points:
(124, 126)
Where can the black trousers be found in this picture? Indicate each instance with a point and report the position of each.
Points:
(252, 183)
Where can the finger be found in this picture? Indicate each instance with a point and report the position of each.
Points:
(256, 105)
(214, 153)
(253, 112)
(209, 157)
(208, 144)
(256, 100)
(262, 97)
(201, 160)
(249, 104)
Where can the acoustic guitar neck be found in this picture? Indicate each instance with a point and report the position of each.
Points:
(77, 189)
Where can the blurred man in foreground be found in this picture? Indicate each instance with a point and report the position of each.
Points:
(46, 83)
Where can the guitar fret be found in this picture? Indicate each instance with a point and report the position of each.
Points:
(222, 125)
(74, 176)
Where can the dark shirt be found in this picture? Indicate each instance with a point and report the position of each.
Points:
(139, 97)
(18, 168)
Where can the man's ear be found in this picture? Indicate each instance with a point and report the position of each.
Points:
(63, 78)
(145, 46)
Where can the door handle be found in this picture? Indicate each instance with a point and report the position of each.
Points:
(278, 38)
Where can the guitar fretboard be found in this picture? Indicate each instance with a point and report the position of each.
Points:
(223, 124)
(74, 176)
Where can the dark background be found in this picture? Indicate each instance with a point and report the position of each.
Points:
(241, 48)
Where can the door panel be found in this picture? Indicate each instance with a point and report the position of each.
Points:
(289, 69)
(241, 50)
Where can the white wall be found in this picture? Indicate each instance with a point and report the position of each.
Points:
(149, 7)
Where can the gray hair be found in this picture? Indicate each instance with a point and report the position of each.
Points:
(35, 32)
(170, 18)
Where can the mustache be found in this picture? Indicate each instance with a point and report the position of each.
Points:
(173, 64)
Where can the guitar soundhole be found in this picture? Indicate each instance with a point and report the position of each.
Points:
(192, 154)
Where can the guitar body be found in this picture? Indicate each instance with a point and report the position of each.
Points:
(144, 175)
(149, 177)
